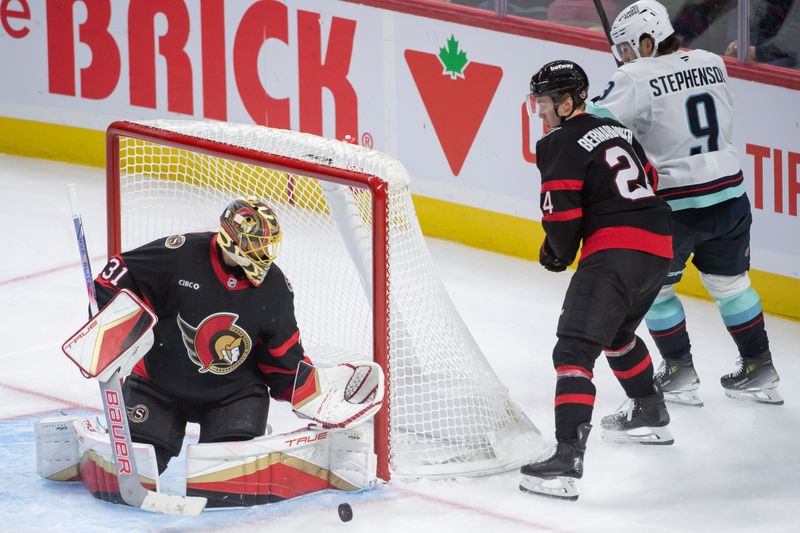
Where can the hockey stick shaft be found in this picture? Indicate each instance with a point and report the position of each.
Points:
(131, 489)
(598, 5)
(80, 236)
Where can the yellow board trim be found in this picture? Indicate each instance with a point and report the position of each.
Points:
(53, 141)
(479, 228)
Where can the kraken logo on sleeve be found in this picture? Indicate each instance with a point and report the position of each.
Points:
(217, 345)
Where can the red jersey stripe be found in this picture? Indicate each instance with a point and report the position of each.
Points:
(748, 326)
(140, 370)
(562, 185)
(636, 370)
(701, 189)
(267, 369)
(665, 333)
(585, 399)
(629, 238)
(283, 348)
(570, 214)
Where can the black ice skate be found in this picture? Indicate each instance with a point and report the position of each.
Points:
(639, 420)
(558, 475)
(679, 381)
(755, 379)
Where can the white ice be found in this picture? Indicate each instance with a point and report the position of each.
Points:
(734, 466)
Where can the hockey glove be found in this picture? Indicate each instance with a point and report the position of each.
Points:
(550, 261)
(114, 339)
(342, 396)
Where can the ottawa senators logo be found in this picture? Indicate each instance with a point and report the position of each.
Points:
(217, 345)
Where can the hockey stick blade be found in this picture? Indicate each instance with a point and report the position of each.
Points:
(131, 489)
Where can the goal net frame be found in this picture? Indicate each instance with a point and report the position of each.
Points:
(157, 132)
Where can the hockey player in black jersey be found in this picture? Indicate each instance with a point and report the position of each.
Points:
(226, 338)
(597, 189)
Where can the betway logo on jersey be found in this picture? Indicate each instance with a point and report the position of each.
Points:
(456, 93)
(601, 134)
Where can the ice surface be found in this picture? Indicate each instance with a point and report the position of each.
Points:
(734, 466)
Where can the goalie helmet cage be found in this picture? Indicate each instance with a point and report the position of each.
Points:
(365, 285)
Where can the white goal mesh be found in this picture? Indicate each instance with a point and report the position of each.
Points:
(448, 414)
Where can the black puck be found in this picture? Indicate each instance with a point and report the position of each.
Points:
(345, 512)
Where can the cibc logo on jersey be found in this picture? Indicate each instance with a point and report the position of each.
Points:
(217, 345)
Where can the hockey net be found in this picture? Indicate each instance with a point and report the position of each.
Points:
(365, 285)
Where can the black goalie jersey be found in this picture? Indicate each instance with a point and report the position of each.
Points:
(216, 332)
(597, 186)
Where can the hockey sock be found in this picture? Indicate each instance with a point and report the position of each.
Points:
(744, 319)
(666, 321)
(574, 404)
(740, 308)
(633, 368)
(575, 393)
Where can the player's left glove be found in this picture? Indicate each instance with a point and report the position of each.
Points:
(549, 260)
(342, 396)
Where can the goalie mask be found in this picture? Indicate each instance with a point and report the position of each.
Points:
(250, 236)
(555, 79)
(645, 17)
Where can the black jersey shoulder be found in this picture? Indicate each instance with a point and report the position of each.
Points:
(178, 244)
(590, 131)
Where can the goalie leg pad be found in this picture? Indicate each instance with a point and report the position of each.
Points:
(75, 449)
(57, 456)
(276, 468)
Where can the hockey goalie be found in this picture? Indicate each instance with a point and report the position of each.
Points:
(203, 325)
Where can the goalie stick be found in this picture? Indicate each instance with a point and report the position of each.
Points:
(131, 490)
(606, 27)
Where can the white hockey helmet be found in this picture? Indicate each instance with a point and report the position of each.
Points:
(642, 17)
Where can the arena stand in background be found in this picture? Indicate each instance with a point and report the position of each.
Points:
(712, 25)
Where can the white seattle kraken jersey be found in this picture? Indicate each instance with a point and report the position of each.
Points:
(681, 111)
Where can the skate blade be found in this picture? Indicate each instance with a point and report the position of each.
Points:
(650, 436)
(768, 396)
(558, 487)
(690, 398)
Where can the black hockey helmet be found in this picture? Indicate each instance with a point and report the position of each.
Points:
(559, 77)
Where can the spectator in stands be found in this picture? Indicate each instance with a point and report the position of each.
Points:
(534, 9)
(775, 34)
(581, 13)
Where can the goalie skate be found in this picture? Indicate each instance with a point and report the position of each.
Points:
(557, 476)
(639, 421)
(679, 382)
(755, 379)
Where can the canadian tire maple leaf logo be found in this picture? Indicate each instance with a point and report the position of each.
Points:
(456, 93)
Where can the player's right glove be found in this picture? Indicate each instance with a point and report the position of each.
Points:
(549, 260)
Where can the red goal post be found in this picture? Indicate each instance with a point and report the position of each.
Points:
(364, 281)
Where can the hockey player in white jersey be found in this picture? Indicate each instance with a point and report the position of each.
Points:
(679, 106)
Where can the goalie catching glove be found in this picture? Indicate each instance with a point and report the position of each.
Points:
(343, 396)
